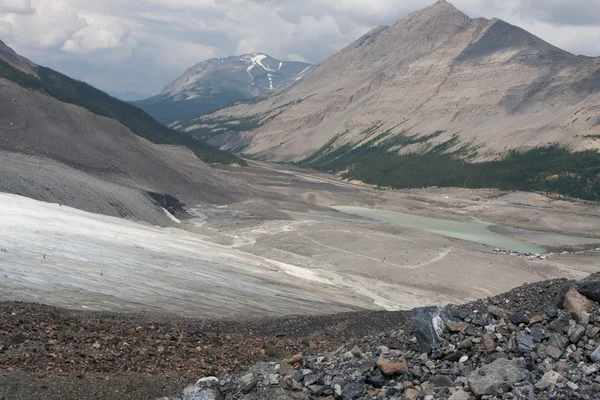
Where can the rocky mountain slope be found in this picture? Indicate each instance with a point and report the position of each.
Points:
(477, 87)
(219, 82)
(9, 56)
(60, 151)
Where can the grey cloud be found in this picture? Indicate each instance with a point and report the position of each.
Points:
(16, 7)
(564, 12)
(140, 45)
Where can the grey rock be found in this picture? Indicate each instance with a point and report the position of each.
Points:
(557, 340)
(525, 343)
(560, 324)
(538, 332)
(553, 352)
(376, 379)
(428, 324)
(573, 386)
(519, 318)
(576, 333)
(486, 380)
(204, 389)
(439, 381)
(353, 391)
(595, 356)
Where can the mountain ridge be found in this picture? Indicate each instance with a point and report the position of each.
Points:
(219, 82)
(448, 71)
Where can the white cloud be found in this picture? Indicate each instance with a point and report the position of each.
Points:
(142, 44)
(98, 37)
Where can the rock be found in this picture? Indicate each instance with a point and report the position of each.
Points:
(440, 381)
(486, 380)
(577, 305)
(457, 326)
(536, 319)
(595, 356)
(428, 324)
(353, 391)
(576, 333)
(558, 341)
(525, 343)
(553, 352)
(463, 359)
(376, 379)
(519, 318)
(573, 386)
(498, 312)
(286, 368)
(589, 289)
(383, 351)
(337, 390)
(356, 352)
(411, 394)
(204, 389)
(460, 395)
(391, 368)
(297, 359)
(549, 380)
(465, 344)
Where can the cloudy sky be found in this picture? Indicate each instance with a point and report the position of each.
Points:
(140, 45)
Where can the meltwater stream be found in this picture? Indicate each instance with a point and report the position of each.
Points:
(473, 231)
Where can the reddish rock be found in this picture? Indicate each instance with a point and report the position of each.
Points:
(297, 359)
(536, 319)
(391, 368)
(411, 394)
(578, 305)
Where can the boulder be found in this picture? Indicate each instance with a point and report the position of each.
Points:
(577, 305)
(589, 289)
(486, 380)
(204, 389)
(428, 324)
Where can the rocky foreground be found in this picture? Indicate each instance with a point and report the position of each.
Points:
(526, 344)
(540, 341)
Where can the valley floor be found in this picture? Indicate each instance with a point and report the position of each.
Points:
(288, 252)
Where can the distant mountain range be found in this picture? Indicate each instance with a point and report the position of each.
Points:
(219, 82)
(439, 85)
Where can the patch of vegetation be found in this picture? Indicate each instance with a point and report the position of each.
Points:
(81, 94)
(543, 169)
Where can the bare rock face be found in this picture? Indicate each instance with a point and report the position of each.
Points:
(486, 83)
